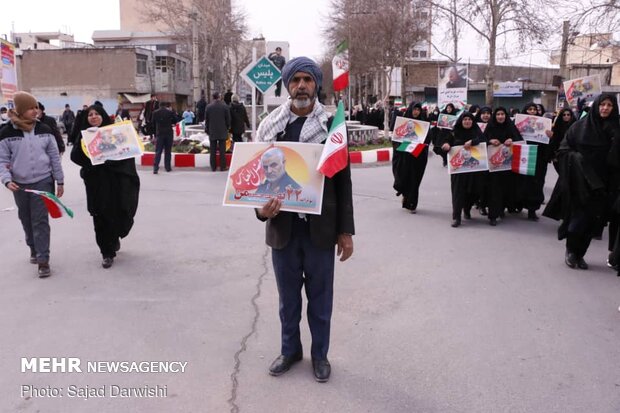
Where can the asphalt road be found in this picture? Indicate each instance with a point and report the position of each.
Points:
(427, 318)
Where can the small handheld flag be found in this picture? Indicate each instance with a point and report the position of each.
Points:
(335, 154)
(412, 147)
(179, 129)
(524, 159)
(55, 208)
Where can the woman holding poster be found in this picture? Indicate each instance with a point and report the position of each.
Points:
(501, 185)
(587, 189)
(466, 186)
(533, 195)
(408, 169)
(112, 190)
(444, 134)
(482, 119)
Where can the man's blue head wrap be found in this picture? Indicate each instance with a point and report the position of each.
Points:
(302, 64)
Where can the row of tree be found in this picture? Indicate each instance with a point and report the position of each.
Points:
(381, 34)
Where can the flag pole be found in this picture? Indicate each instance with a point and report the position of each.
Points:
(253, 101)
(349, 91)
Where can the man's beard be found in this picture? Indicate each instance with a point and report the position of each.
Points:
(305, 101)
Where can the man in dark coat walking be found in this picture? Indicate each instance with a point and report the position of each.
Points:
(164, 119)
(217, 123)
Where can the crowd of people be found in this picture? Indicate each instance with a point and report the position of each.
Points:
(584, 148)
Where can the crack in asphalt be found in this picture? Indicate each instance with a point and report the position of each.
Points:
(234, 408)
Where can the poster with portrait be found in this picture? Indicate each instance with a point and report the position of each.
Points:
(111, 143)
(462, 160)
(445, 121)
(410, 130)
(500, 158)
(588, 88)
(284, 170)
(532, 128)
(452, 85)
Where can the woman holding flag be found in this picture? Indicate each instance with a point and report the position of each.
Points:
(408, 169)
(112, 190)
(532, 186)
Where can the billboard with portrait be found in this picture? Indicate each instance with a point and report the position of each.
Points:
(452, 85)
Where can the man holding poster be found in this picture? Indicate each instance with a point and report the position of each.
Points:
(303, 245)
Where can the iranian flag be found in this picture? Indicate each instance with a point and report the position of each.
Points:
(335, 154)
(524, 159)
(55, 208)
(179, 129)
(413, 148)
(340, 67)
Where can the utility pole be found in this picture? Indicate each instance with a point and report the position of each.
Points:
(195, 57)
(564, 51)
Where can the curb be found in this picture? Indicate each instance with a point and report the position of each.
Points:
(198, 160)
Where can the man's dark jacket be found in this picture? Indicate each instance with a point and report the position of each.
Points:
(164, 119)
(217, 120)
(336, 215)
(239, 118)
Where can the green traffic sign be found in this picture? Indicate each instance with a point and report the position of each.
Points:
(262, 74)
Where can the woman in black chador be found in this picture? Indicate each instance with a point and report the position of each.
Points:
(465, 186)
(586, 192)
(501, 185)
(532, 186)
(112, 190)
(562, 122)
(409, 170)
(483, 116)
(441, 134)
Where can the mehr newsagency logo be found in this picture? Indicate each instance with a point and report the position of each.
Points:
(76, 365)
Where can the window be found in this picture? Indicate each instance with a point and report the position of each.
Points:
(160, 64)
(415, 53)
(141, 61)
(423, 53)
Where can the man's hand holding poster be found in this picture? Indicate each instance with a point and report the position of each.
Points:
(284, 170)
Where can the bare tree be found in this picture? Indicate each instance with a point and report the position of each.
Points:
(596, 16)
(380, 34)
(493, 20)
(221, 29)
(454, 28)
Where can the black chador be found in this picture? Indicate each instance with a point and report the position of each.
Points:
(466, 187)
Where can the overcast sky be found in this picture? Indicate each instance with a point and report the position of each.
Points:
(299, 23)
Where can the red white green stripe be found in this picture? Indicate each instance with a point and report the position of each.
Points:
(412, 147)
(335, 154)
(55, 208)
(340, 67)
(179, 129)
(524, 159)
